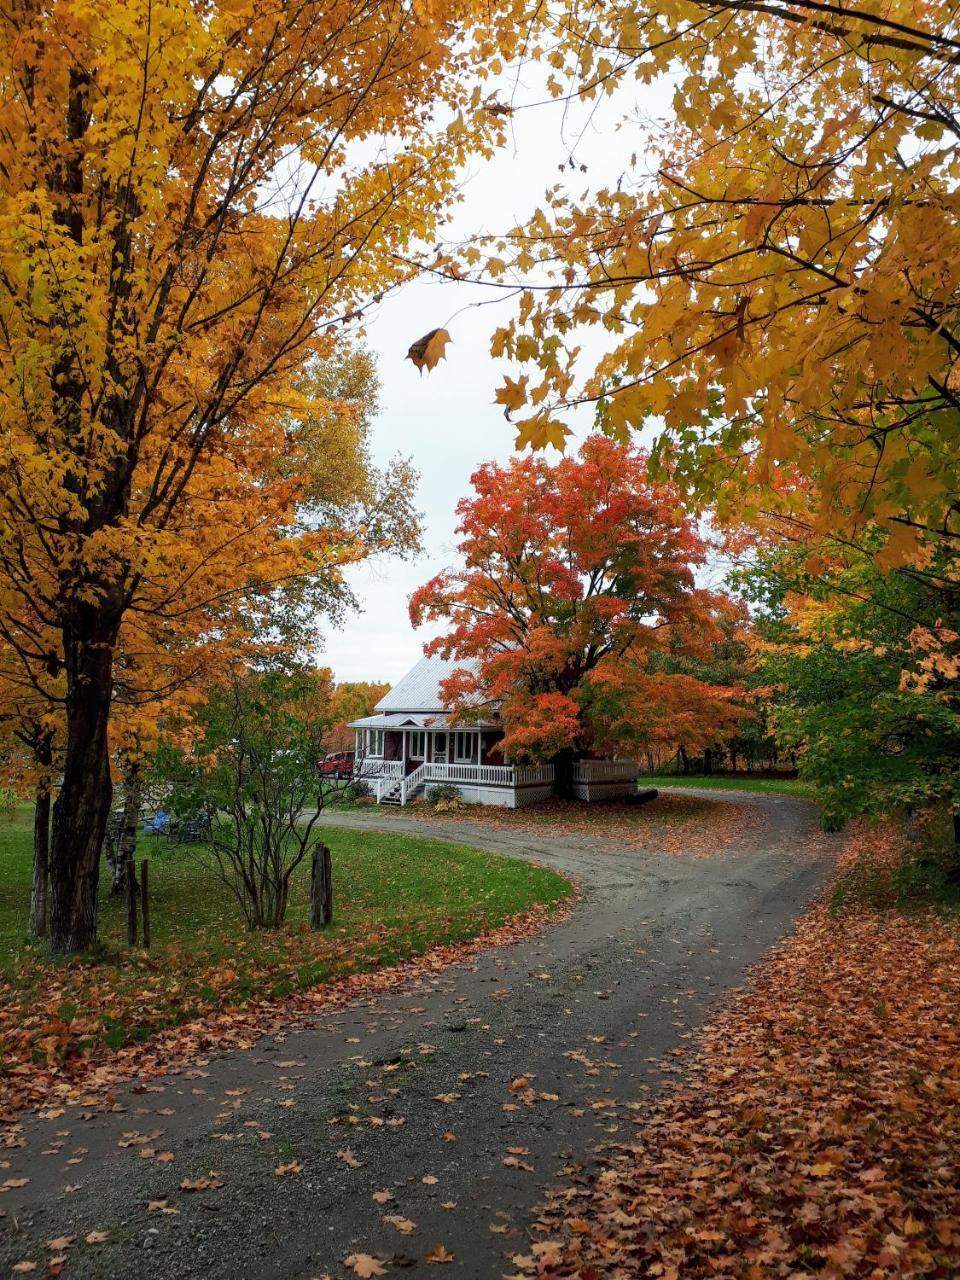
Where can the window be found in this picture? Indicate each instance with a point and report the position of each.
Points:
(418, 742)
(463, 746)
(374, 742)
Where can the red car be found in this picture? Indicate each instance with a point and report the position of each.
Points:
(338, 764)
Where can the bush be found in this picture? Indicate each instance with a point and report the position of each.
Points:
(446, 798)
(920, 871)
(356, 789)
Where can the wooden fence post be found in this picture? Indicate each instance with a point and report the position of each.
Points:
(145, 902)
(321, 887)
(132, 904)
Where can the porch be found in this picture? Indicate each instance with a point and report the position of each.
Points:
(512, 786)
(501, 784)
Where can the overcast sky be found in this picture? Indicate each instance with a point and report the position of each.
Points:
(446, 420)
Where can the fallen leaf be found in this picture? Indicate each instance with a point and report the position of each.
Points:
(59, 1243)
(403, 1225)
(96, 1237)
(212, 1183)
(438, 1254)
(365, 1265)
(294, 1166)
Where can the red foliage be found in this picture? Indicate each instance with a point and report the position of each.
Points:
(578, 584)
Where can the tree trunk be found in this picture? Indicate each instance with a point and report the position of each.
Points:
(133, 791)
(708, 761)
(123, 851)
(563, 773)
(83, 805)
(116, 864)
(321, 887)
(684, 761)
(41, 853)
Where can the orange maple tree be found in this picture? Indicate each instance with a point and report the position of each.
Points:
(578, 584)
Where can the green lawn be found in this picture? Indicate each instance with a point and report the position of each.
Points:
(775, 786)
(395, 896)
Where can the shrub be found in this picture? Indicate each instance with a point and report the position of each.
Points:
(446, 798)
(914, 871)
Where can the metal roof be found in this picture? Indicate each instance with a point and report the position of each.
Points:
(419, 689)
(401, 720)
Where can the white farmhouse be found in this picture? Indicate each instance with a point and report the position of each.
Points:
(411, 746)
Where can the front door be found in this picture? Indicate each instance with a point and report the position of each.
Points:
(440, 748)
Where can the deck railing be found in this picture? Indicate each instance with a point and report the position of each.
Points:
(374, 767)
(526, 773)
(392, 782)
(492, 774)
(605, 770)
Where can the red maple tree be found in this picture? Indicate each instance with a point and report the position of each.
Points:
(576, 591)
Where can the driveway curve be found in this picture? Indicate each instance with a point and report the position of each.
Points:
(419, 1127)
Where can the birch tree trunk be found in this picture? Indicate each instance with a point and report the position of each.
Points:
(41, 867)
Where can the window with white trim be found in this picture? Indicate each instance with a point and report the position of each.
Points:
(374, 742)
(463, 747)
(418, 745)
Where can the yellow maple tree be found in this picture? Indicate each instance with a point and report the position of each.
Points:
(196, 200)
(778, 267)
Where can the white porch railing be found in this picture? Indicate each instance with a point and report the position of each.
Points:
(495, 775)
(374, 767)
(605, 770)
(527, 773)
(382, 775)
(413, 782)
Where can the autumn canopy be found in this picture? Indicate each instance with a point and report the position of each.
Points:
(577, 590)
(188, 222)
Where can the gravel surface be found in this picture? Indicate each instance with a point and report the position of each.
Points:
(461, 1094)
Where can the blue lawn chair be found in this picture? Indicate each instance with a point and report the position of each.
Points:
(158, 824)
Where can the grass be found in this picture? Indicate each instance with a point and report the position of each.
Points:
(717, 782)
(395, 896)
(897, 871)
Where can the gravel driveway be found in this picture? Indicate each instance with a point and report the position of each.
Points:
(460, 1095)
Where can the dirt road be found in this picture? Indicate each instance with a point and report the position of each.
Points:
(460, 1096)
